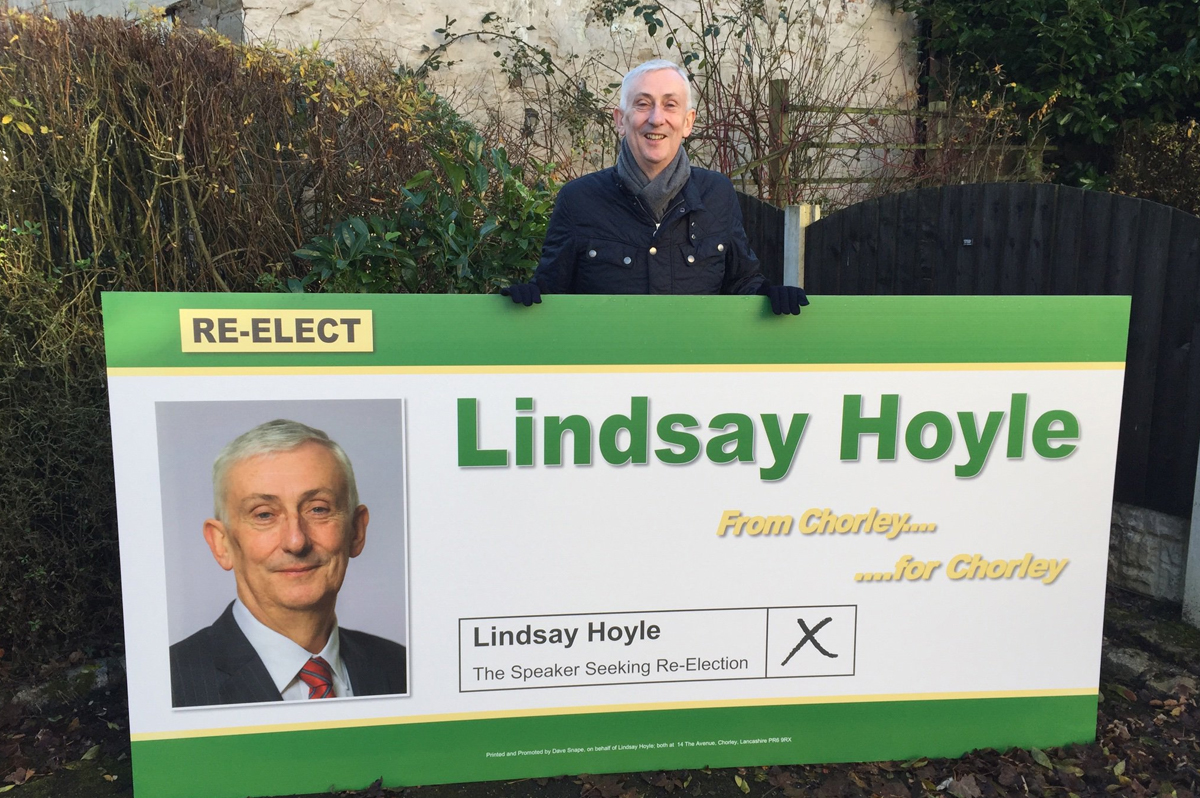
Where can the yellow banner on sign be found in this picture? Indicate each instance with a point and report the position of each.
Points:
(312, 330)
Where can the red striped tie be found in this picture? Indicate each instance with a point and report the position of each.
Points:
(319, 678)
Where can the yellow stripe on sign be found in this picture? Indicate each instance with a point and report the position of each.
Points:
(316, 330)
(589, 710)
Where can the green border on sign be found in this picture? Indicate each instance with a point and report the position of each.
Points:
(457, 751)
(142, 330)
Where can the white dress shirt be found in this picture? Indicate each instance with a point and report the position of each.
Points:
(284, 658)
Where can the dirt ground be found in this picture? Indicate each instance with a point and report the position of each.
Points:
(1146, 744)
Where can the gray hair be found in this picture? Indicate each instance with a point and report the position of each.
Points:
(654, 65)
(273, 437)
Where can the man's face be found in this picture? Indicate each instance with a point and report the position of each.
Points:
(658, 119)
(288, 534)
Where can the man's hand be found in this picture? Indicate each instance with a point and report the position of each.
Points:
(529, 294)
(785, 299)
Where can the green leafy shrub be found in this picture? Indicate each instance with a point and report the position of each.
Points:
(138, 156)
(1161, 163)
(179, 161)
(471, 228)
(1080, 69)
(59, 586)
(1084, 65)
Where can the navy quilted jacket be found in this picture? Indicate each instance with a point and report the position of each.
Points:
(602, 240)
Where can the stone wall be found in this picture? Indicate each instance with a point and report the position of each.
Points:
(565, 27)
(834, 52)
(1147, 552)
(862, 43)
(223, 16)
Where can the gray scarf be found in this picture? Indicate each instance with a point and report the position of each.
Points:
(656, 194)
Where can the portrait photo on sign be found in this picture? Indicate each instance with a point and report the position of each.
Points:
(286, 554)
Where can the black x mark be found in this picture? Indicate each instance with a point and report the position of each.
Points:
(809, 636)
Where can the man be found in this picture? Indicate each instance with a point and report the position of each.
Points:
(653, 224)
(286, 522)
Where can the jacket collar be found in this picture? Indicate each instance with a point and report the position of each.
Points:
(690, 193)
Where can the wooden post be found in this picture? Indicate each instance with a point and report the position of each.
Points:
(777, 97)
(796, 218)
(935, 134)
(1191, 570)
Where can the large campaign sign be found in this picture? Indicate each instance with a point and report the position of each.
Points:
(605, 533)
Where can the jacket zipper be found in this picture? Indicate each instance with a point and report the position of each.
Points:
(666, 213)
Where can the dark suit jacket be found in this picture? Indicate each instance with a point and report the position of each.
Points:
(217, 665)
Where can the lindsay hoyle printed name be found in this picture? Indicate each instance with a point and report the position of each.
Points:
(597, 632)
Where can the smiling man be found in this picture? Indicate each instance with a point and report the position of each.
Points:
(286, 522)
(652, 224)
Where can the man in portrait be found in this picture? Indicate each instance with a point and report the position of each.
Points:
(286, 521)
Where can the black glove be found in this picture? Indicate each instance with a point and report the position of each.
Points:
(528, 294)
(785, 299)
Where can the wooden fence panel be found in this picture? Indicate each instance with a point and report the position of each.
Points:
(991, 253)
(1177, 365)
(1146, 270)
(1041, 243)
(1008, 238)
(867, 255)
(1068, 244)
(969, 234)
(889, 231)
(764, 230)
(1015, 231)
(905, 266)
(929, 245)
(945, 281)
(1097, 241)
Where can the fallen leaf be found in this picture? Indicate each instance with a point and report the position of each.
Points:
(741, 783)
(1008, 775)
(109, 777)
(73, 725)
(964, 787)
(781, 778)
(1040, 757)
(91, 753)
(1119, 768)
